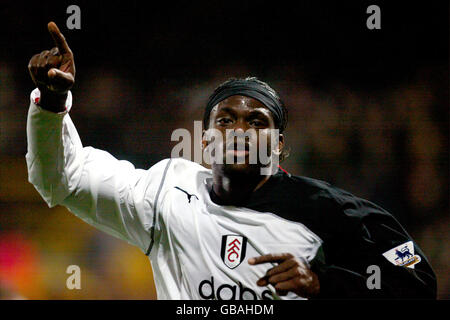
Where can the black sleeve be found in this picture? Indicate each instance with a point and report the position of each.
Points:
(358, 232)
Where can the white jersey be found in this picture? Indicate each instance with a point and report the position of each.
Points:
(197, 249)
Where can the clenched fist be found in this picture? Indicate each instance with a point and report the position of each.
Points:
(53, 72)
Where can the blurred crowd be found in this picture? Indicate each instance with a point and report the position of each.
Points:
(388, 145)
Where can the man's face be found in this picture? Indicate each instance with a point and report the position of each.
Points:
(253, 126)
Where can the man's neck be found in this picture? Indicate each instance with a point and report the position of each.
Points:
(235, 188)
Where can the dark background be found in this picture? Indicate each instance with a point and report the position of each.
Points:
(368, 112)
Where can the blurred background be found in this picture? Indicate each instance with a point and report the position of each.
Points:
(368, 109)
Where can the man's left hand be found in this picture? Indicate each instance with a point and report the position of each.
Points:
(291, 274)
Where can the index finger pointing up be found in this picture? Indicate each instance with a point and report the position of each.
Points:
(59, 39)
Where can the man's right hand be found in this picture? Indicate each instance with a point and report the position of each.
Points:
(53, 72)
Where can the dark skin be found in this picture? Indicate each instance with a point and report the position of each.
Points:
(53, 72)
(234, 183)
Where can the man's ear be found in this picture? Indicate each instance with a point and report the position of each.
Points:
(280, 143)
(204, 141)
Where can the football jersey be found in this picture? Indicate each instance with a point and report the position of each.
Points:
(198, 248)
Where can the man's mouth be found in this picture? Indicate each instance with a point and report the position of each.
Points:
(239, 153)
(238, 149)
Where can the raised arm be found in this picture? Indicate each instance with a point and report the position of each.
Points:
(107, 193)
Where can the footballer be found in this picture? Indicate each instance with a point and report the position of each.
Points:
(228, 232)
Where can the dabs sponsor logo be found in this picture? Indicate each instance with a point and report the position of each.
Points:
(207, 290)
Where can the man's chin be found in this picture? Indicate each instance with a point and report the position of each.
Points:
(243, 168)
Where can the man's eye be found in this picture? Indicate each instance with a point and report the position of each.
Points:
(257, 123)
(224, 121)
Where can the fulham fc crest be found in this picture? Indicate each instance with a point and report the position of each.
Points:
(233, 250)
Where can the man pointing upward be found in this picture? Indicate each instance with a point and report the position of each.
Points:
(290, 237)
(53, 71)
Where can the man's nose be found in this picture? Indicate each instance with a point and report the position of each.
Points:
(239, 132)
(241, 125)
(243, 133)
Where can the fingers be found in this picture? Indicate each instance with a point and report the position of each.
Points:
(59, 79)
(32, 65)
(270, 258)
(37, 66)
(54, 51)
(289, 285)
(284, 271)
(302, 282)
(67, 61)
(273, 258)
(53, 58)
(291, 275)
(42, 62)
(282, 292)
(53, 70)
(282, 267)
(59, 39)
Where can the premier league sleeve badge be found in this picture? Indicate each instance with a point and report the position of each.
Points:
(403, 255)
